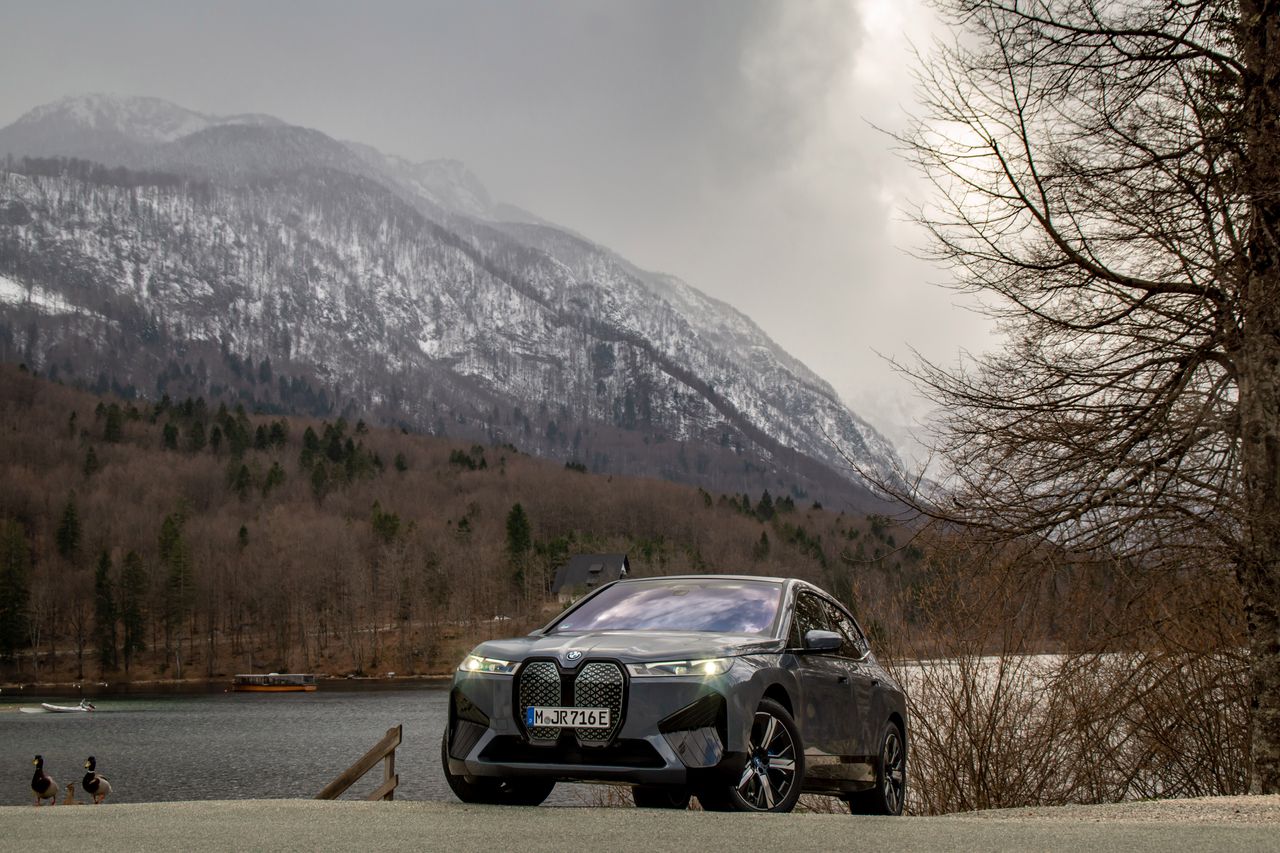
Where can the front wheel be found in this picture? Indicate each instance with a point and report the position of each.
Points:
(774, 770)
(890, 792)
(492, 791)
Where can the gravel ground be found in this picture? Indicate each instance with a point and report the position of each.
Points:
(310, 825)
(1262, 809)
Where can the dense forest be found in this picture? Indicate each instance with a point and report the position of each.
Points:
(188, 538)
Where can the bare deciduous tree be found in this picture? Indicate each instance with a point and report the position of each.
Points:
(1109, 184)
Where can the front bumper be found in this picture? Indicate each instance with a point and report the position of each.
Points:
(673, 731)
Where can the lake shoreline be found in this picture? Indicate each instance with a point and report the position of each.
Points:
(18, 692)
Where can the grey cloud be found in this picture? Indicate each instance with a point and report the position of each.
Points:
(708, 139)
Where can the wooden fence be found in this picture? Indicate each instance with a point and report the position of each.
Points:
(384, 751)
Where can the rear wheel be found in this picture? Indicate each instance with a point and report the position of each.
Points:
(660, 797)
(890, 792)
(774, 770)
(490, 790)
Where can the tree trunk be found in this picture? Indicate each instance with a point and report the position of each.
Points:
(1258, 565)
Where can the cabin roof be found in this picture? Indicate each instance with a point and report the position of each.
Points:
(589, 571)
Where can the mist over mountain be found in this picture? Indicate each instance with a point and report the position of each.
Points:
(190, 254)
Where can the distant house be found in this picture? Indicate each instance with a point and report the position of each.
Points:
(586, 572)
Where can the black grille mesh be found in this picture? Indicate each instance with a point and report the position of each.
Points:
(540, 685)
(599, 685)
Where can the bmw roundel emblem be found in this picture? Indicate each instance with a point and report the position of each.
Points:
(573, 655)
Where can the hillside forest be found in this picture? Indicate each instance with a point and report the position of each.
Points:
(192, 539)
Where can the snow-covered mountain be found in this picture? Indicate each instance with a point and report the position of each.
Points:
(310, 274)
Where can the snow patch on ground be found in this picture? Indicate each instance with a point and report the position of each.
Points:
(37, 297)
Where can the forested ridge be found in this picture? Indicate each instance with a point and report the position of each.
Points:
(188, 538)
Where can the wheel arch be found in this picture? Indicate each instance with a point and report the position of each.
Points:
(778, 693)
(899, 719)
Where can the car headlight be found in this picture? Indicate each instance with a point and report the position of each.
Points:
(476, 663)
(706, 666)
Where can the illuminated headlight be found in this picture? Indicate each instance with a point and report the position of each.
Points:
(476, 663)
(707, 666)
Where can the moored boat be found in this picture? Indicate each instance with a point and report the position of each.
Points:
(275, 682)
(84, 707)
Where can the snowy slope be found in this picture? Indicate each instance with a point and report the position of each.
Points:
(406, 287)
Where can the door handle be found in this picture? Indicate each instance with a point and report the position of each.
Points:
(842, 679)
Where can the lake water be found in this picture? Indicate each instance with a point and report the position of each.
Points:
(232, 745)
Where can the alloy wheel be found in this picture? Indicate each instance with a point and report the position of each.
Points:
(770, 771)
(895, 771)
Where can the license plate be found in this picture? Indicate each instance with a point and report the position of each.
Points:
(570, 718)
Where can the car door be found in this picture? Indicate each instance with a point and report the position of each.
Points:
(863, 685)
(823, 710)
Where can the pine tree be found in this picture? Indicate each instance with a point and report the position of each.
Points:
(179, 587)
(319, 482)
(519, 542)
(241, 481)
(761, 549)
(196, 437)
(91, 463)
(764, 509)
(104, 612)
(519, 537)
(68, 533)
(279, 433)
(275, 477)
(133, 589)
(113, 430)
(15, 571)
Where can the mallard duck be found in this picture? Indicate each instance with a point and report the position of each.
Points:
(42, 783)
(70, 798)
(93, 784)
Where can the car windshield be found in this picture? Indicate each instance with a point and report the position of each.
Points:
(718, 606)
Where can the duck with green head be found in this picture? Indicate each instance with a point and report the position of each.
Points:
(93, 783)
(42, 784)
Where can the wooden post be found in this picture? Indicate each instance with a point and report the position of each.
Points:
(385, 751)
(389, 773)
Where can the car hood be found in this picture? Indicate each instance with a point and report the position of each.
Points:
(626, 646)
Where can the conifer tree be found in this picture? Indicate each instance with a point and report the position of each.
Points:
(104, 612)
(179, 589)
(68, 533)
(113, 429)
(91, 463)
(15, 592)
(764, 509)
(196, 437)
(133, 589)
(519, 542)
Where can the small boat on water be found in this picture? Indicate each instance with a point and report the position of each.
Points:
(275, 682)
(84, 707)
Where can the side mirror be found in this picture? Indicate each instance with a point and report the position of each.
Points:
(822, 641)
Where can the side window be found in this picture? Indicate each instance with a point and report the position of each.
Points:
(855, 644)
(811, 615)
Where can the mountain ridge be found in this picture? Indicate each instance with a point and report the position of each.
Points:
(693, 369)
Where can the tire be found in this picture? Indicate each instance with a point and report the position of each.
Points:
(660, 797)
(774, 772)
(890, 792)
(492, 791)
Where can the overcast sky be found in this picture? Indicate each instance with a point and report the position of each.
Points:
(728, 143)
